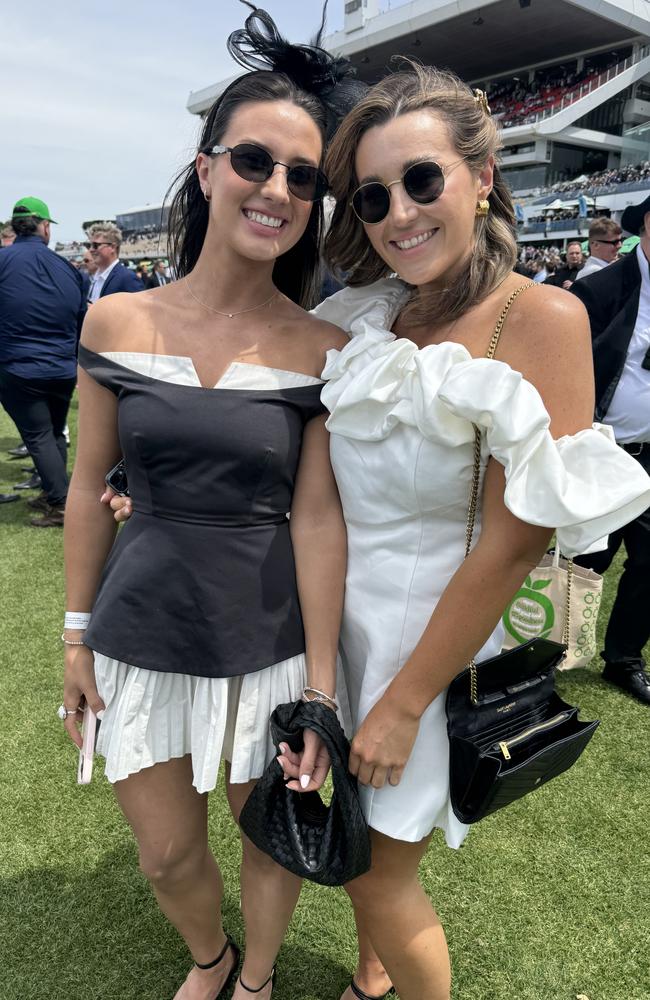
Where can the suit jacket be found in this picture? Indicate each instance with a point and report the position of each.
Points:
(121, 279)
(611, 297)
(85, 284)
(563, 274)
(154, 282)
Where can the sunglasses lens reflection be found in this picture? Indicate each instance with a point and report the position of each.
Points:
(424, 182)
(307, 183)
(254, 164)
(371, 203)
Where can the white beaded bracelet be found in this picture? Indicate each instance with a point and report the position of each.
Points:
(71, 642)
(76, 620)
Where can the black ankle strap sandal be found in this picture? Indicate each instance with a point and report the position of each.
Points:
(358, 992)
(259, 989)
(222, 954)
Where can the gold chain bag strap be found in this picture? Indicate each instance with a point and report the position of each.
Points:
(474, 490)
(517, 733)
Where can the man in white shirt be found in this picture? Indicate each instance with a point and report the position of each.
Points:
(539, 272)
(617, 299)
(605, 241)
(104, 240)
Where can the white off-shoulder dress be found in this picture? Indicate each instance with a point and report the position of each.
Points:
(401, 424)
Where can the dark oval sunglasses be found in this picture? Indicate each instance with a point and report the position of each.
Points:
(255, 164)
(423, 182)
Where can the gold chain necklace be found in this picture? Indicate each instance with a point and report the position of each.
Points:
(228, 314)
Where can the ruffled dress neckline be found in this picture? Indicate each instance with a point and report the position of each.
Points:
(579, 484)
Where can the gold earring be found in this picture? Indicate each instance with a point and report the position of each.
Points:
(482, 208)
(206, 195)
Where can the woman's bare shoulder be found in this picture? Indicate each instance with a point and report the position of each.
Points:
(545, 323)
(547, 339)
(111, 322)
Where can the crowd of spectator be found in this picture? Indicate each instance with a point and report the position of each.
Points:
(134, 247)
(631, 174)
(149, 241)
(550, 265)
(519, 100)
(557, 215)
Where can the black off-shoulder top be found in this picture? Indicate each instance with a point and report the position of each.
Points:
(201, 579)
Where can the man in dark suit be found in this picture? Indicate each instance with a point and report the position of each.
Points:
(158, 277)
(565, 276)
(41, 312)
(617, 299)
(104, 240)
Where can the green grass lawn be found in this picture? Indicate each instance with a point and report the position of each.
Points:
(546, 900)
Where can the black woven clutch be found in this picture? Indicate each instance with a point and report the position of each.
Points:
(515, 735)
(325, 844)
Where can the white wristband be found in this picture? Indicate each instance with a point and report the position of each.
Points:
(76, 620)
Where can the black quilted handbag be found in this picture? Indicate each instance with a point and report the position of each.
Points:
(509, 730)
(510, 733)
(325, 844)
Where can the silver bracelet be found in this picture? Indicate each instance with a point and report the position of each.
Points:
(319, 696)
(71, 642)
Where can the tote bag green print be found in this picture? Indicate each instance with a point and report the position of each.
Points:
(539, 610)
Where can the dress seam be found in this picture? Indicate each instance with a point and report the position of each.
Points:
(417, 555)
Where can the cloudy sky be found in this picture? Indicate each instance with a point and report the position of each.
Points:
(92, 114)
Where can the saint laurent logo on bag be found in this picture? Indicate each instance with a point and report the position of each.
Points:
(508, 707)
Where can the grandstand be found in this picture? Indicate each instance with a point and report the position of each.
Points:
(144, 232)
(569, 81)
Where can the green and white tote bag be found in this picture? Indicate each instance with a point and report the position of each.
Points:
(558, 601)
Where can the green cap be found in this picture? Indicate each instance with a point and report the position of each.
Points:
(630, 244)
(33, 207)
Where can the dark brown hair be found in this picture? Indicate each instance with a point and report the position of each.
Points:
(475, 135)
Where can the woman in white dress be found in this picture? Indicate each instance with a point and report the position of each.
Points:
(404, 396)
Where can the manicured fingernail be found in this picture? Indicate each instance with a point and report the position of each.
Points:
(304, 780)
(103, 498)
(284, 748)
(100, 714)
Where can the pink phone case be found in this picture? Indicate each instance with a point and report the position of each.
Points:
(89, 732)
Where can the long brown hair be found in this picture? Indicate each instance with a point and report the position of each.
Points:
(475, 135)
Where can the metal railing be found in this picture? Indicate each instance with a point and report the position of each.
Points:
(577, 93)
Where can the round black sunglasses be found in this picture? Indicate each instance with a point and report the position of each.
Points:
(423, 182)
(255, 164)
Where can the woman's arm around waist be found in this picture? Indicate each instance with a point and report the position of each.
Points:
(320, 552)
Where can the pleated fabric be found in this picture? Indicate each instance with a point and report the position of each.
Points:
(152, 717)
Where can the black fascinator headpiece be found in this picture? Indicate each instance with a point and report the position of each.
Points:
(260, 46)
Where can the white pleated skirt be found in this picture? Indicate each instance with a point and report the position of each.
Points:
(152, 717)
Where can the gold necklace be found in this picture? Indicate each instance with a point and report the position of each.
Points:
(228, 314)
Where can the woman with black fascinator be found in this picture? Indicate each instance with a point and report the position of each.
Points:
(211, 607)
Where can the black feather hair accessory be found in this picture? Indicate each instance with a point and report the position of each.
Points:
(260, 46)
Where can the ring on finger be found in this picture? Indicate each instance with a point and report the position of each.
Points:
(64, 712)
